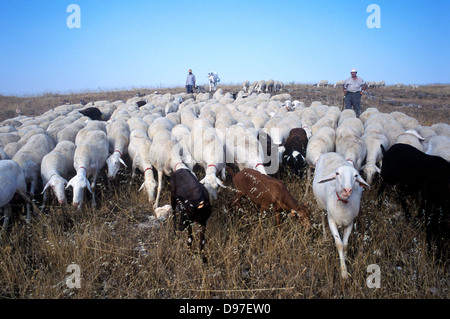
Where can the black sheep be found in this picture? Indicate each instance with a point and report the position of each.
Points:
(92, 112)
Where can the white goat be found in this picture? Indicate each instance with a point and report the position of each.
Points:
(139, 151)
(118, 133)
(89, 158)
(337, 187)
(56, 168)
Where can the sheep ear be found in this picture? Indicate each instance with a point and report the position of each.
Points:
(378, 169)
(142, 186)
(121, 160)
(69, 184)
(45, 187)
(88, 185)
(220, 183)
(328, 178)
(203, 181)
(362, 182)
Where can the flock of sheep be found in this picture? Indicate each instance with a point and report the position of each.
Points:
(164, 133)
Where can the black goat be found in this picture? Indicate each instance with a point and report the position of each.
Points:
(190, 199)
(425, 176)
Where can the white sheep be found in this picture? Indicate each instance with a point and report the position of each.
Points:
(207, 149)
(166, 157)
(374, 154)
(269, 86)
(410, 137)
(260, 86)
(118, 133)
(12, 181)
(139, 151)
(337, 187)
(441, 129)
(56, 168)
(243, 148)
(322, 83)
(89, 158)
(245, 86)
(323, 141)
(349, 143)
(439, 145)
(29, 157)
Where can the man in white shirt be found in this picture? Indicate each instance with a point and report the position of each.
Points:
(354, 87)
(190, 82)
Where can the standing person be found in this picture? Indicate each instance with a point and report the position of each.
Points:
(190, 82)
(354, 87)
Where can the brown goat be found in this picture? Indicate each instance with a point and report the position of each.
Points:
(267, 192)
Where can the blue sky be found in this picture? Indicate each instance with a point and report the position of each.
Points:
(147, 44)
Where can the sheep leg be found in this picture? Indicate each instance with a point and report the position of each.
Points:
(203, 242)
(339, 246)
(160, 176)
(94, 180)
(7, 215)
(190, 238)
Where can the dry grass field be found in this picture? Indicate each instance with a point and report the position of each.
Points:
(123, 252)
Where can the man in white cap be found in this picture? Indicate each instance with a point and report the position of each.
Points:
(354, 87)
(190, 82)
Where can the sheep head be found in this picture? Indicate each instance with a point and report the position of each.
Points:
(346, 178)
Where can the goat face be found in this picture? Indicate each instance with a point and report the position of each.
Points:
(188, 211)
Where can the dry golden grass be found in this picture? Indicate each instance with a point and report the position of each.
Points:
(122, 253)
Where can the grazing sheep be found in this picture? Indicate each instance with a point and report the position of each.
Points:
(207, 149)
(89, 158)
(269, 86)
(374, 155)
(118, 133)
(166, 157)
(323, 141)
(12, 181)
(439, 145)
(337, 187)
(245, 86)
(93, 113)
(410, 137)
(260, 86)
(139, 151)
(56, 168)
(29, 157)
(244, 149)
(323, 83)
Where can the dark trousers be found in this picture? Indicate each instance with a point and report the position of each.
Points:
(353, 99)
(189, 88)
